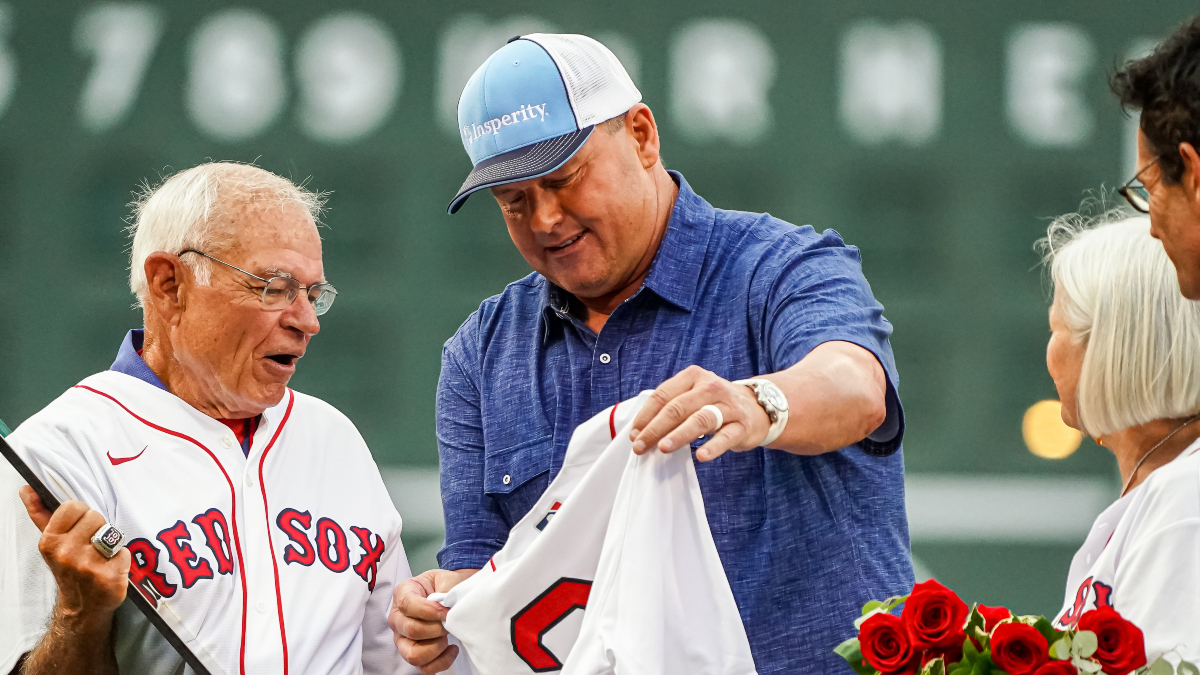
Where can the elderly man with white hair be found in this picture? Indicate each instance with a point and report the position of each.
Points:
(256, 521)
(1124, 353)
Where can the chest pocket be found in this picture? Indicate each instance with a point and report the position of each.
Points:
(515, 477)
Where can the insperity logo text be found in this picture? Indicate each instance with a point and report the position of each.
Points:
(527, 113)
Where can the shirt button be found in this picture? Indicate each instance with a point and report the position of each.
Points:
(228, 441)
(605, 358)
(261, 607)
(507, 479)
(249, 480)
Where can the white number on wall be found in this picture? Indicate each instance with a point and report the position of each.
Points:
(891, 82)
(465, 44)
(8, 62)
(350, 71)
(721, 73)
(1047, 65)
(120, 39)
(236, 87)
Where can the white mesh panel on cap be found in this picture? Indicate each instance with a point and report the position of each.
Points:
(597, 84)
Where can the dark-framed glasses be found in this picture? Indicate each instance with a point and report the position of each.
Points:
(280, 292)
(1136, 195)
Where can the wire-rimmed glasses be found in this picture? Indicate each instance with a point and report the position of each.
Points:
(280, 292)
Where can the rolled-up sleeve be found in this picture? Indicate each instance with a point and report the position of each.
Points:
(814, 292)
(475, 526)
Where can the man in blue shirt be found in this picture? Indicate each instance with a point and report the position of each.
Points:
(641, 284)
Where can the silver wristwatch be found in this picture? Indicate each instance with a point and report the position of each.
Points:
(772, 400)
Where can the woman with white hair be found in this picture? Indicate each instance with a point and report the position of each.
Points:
(1124, 354)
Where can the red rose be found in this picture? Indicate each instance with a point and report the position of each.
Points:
(1120, 648)
(934, 616)
(1019, 649)
(1057, 668)
(885, 646)
(992, 616)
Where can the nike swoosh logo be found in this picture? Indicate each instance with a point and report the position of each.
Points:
(115, 461)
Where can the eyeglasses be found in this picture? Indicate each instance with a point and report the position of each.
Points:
(1136, 195)
(281, 292)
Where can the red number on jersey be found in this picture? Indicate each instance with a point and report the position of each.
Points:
(537, 618)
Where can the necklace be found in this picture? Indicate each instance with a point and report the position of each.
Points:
(1149, 452)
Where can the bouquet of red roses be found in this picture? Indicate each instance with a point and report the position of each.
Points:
(937, 634)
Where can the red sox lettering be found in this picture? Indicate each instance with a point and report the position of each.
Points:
(1098, 591)
(329, 545)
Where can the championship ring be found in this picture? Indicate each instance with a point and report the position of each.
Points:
(108, 540)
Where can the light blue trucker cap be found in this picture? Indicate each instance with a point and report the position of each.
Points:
(531, 106)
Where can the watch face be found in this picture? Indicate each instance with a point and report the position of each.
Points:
(773, 396)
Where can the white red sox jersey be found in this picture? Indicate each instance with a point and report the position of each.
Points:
(281, 560)
(1142, 557)
(614, 570)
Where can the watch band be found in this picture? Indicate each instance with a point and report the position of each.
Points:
(777, 416)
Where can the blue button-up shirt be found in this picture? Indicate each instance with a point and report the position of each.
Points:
(805, 541)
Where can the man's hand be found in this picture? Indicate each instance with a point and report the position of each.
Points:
(672, 417)
(90, 586)
(837, 395)
(417, 621)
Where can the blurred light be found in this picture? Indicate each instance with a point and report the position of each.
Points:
(465, 44)
(350, 72)
(120, 38)
(236, 87)
(891, 82)
(8, 62)
(1047, 66)
(1046, 435)
(721, 73)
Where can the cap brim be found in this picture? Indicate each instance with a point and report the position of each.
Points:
(531, 161)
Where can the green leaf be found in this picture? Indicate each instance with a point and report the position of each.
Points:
(1085, 666)
(1161, 666)
(970, 653)
(871, 606)
(960, 668)
(1187, 668)
(893, 602)
(850, 651)
(974, 620)
(935, 667)
(1060, 650)
(1084, 644)
(1047, 630)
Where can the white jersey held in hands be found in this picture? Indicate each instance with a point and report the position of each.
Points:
(1142, 558)
(613, 570)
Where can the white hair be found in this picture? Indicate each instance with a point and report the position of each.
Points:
(189, 210)
(1119, 296)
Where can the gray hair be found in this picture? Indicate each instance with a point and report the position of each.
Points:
(190, 210)
(1120, 297)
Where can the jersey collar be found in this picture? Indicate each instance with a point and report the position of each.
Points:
(129, 361)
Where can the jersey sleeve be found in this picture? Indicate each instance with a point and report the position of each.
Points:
(475, 526)
(1157, 588)
(813, 292)
(379, 653)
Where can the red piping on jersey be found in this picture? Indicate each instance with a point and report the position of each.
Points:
(612, 422)
(267, 512)
(232, 495)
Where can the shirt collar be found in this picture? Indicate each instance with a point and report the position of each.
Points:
(675, 273)
(130, 363)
